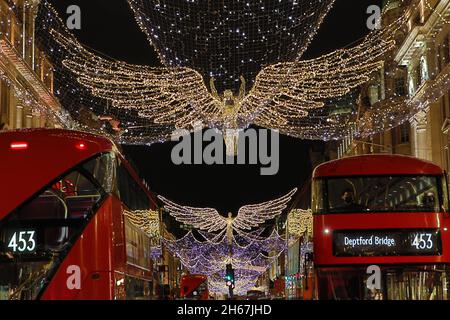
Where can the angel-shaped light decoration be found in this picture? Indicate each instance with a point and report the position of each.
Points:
(208, 254)
(289, 96)
(210, 220)
(178, 96)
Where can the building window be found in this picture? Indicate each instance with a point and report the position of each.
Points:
(448, 99)
(411, 88)
(5, 99)
(446, 51)
(439, 60)
(446, 159)
(19, 117)
(3, 103)
(445, 105)
(444, 108)
(399, 87)
(423, 69)
(417, 20)
(418, 75)
(374, 94)
(404, 133)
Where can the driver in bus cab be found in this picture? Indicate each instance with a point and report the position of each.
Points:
(429, 200)
(348, 198)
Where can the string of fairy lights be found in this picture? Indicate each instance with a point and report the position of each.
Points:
(300, 222)
(146, 220)
(242, 36)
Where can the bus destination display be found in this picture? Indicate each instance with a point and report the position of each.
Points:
(21, 241)
(386, 243)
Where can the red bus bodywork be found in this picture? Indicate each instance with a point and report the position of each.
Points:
(370, 165)
(33, 159)
(194, 287)
(326, 224)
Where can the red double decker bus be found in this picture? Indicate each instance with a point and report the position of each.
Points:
(194, 287)
(63, 234)
(381, 229)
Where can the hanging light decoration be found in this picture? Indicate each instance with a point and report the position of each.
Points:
(283, 93)
(225, 41)
(146, 220)
(209, 254)
(275, 90)
(300, 222)
(243, 251)
(209, 219)
(242, 286)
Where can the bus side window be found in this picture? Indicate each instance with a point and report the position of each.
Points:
(102, 168)
(445, 193)
(318, 196)
(130, 192)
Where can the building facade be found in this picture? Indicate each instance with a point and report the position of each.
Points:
(418, 70)
(26, 75)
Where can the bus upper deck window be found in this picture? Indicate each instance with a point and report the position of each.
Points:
(317, 196)
(385, 194)
(444, 191)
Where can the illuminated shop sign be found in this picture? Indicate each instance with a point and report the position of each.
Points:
(386, 243)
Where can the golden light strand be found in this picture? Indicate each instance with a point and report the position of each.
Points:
(146, 220)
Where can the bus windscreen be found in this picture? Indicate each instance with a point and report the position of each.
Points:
(380, 194)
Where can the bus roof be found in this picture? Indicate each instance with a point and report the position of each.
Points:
(32, 158)
(376, 164)
(194, 276)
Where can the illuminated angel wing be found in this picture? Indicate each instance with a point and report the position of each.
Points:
(252, 215)
(172, 96)
(207, 219)
(283, 93)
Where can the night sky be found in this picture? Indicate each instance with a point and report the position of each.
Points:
(108, 26)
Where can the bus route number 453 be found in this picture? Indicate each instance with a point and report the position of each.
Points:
(22, 241)
(423, 241)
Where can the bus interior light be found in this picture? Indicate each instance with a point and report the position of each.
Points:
(19, 145)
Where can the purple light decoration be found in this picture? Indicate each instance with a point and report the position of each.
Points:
(251, 255)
